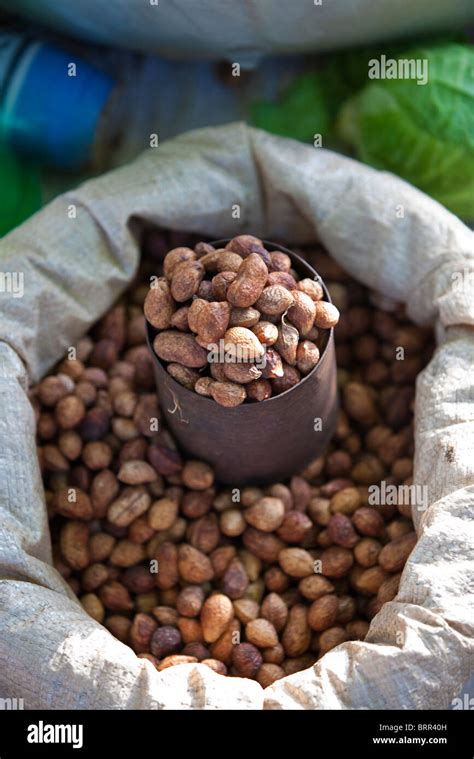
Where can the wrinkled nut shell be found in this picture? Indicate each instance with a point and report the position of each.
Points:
(159, 305)
(175, 257)
(244, 317)
(246, 659)
(266, 332)
(181, 348)
(274, 300)
(242, 345)
(312, 288)
(242, 244)
(136, 472)
(212, 321)
(261, 633)
(217, 612)
(302, 313)
(193, 313)
(193, 565)
(393, 556)
(297, 633)
(186, 279)
(247, 287)
(220, 284)
(229, 394)
(287, 343)
(326, 316)
(266, 514)
(323, 613)
(242, 373)
(307, 356)
(182, 374)
(131, 504)
(229, 261)
(296, 562)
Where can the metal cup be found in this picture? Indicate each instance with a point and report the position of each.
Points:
(262, 442)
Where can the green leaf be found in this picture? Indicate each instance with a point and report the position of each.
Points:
(301, 114)
(423, 133)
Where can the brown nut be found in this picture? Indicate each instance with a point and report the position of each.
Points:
(115, 596)
(274, 300)
(368, 521)
(388, 589)
(273, 365)
(246, 609)
(323, 612)
(69, 412)
(73, 503)
(247, 287)
(131, 503)
(166, 556)
(159, 306)
(312, 288)
(242, 373)
(307, 356)
(367, 552)
(294, 527)
(341, 531)
(259, 390)
(244, 317)
(243, 244)
(52, 389)
(261, 633)
(179, 319)
(193, 565)
(242, 345)
(181, 348)
(368, 581)
(302, 312)
(331, 638)
(336, 562)
(393, 555)
(216, 614)
(163, 514)
(185, 280)
(359, 403)
(73, 542)
(220, 284)
(228, 261)
(296, 562)
(235, 580)
(212, 321)
(175, 257)
(275, 610)
(345, 501)
(266, 514)
(266, 332)
(262, 544)
(197, 475)
(182, 374)
(94, 607)
(326, 316)
(296, 636)
(228, 394)
(314, 587)
(246, 658)
(287, 343)
(165, 640)
(141, 632)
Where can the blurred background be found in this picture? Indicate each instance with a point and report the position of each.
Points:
(86, 87)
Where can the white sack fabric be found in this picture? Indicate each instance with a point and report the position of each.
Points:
(419, 649)
(242, 31)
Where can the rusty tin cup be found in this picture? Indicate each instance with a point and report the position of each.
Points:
(261, 442)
